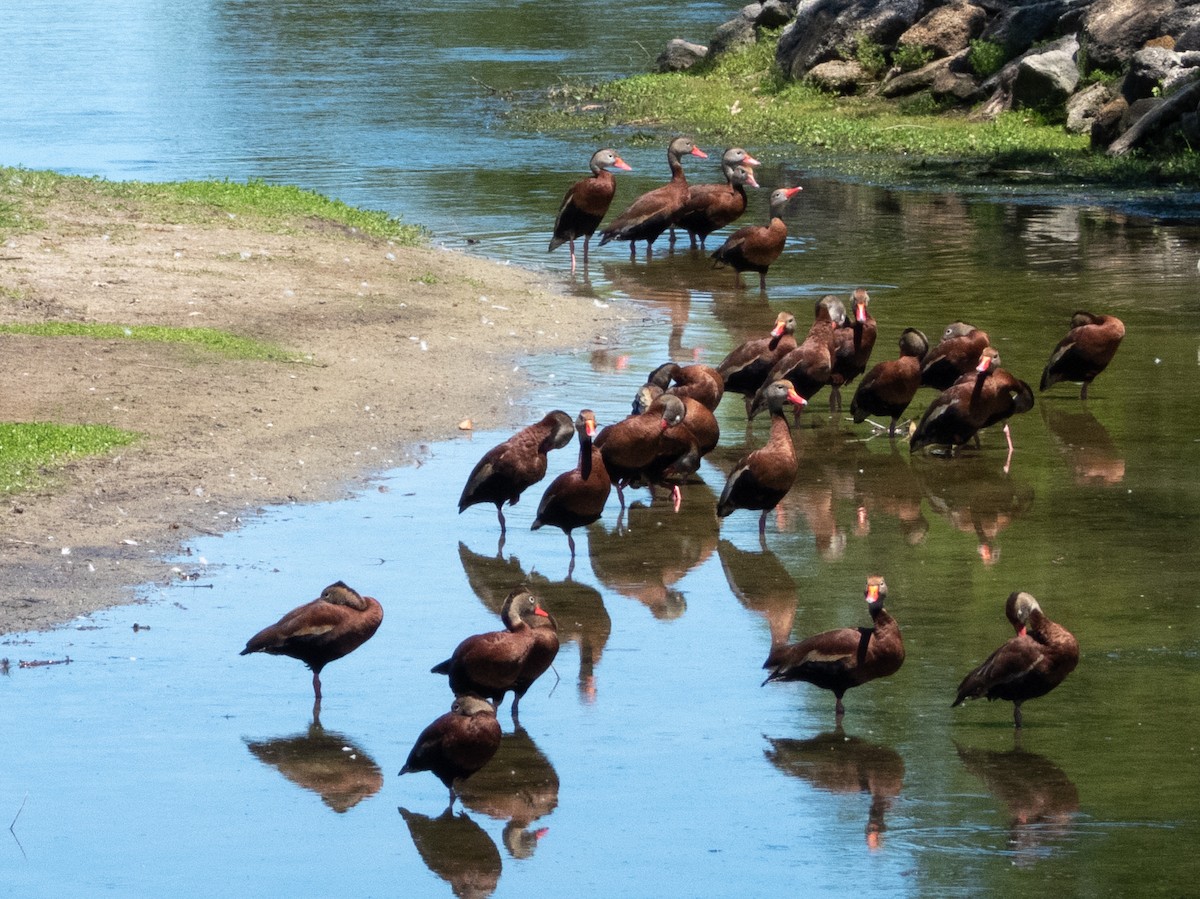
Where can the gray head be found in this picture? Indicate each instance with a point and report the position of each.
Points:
(834, 307)
(684, 146)
(671, 408)
(780, 197)
(957, 329)
(607, 159)
(913, 343)
(469, 706)
(741, 175)
(563, 428)
(1019, 607)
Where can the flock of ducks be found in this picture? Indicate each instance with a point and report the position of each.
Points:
(672, 426)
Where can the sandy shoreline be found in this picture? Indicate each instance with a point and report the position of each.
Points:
(403, 345)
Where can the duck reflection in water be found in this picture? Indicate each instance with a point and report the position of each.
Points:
(324, 761)
(518, 786)
(975, 498)
(1085, 443)
(578, 608)
(457, 850)
(763, 585)
(1041, 800)
(646, 557)
(839, 763)
(887, 485)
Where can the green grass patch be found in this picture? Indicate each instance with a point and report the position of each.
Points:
(230, 345)
(743, 98)
(255, 203)
(28, 451)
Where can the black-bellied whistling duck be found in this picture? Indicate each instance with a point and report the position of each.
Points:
(710, 207)
(700, 382)
(746, 366)
(954, 356)
(576, 498)
(984, 397)
(756, 247)
(810, 365)
(846, 657)
(762, 478)
(652, 213)
(585, 204)
(333, 625)
(1029, 665)
(1085, 352)
(540, 656)
(680, 447)
(890, 386)
(489, 665)
(629, 445)
(520, 461)
(852, 348)
(458, 743)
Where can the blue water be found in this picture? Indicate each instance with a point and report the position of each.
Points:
(662, 766)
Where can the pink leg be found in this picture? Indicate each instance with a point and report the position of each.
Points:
(571, 244)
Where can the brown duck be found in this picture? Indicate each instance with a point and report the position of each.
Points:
(1029, 665)
(746, 366)
(576, 498)
(458, 743)
(585, 204)
(505, 470)
(333, 625)
(710, 207)
(755, 248)
(1085, 352)
(628, 446)
(654, 211)
(852, 348)
(954, 356)
(810, 365)
(847, 657)
(890, 386)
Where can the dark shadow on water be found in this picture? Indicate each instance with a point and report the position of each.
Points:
(1040, 798)
(457, 850)
(840, 763)
(652, 547)
(763, 585)
(519, 786)
(324, 761)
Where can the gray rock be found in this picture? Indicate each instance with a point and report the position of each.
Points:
(736, 33)
(1155, 117)
(775, 14)
(946, 29)
(831, 29)
(839, 76)
(680, 55)
(1046, 80)
(901, 84)
(1116, 29)
(1085, 106)
(1017, 27)
(1148, 70)
(1178, 79)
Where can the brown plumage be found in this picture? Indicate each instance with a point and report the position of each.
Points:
(984, 397)
(576, 498)
(710, 207)
(955, 355)
(846, 657)
(1029, 665)
(1085, 352)
(541, 655)
(756, 247)
(746, 366)
(630, 445)
(652, 213)
(519, 462)
(585, 203)
(763, 477)
(890, 386)
(700, 382)
(458, 743)
(333, 625)
(810, 365)
(491, 664)
(680, 447)
(852, 348)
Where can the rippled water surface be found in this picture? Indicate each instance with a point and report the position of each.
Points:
(160, 762)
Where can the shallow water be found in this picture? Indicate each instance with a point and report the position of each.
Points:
(158, 760)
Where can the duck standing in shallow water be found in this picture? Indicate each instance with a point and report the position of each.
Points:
(1029, 665)
(586, 203)
(756, 247)
(653, 212)
(458, 743)
(576, 498)
(847, 657)
(954, 356)
(745, 368)
(333, 625)
(710, 207)
(1085, 352)
(890, 386)
(852, 348)
(505, 470)
(761, 479)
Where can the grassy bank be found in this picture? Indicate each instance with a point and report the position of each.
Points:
(253, 204)
(30, 451)
(743, 98)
